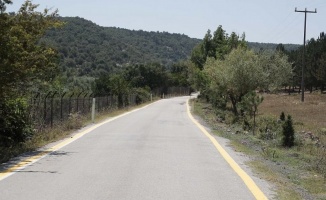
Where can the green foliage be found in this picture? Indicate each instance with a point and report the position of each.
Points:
(250, 102)
(257, 47)
(142, 95)
(268, 128)
(276, 70)
(282, 116)
(87, 49)
(113, 84)
(180, 73)
(15, 127)
(216, 46)
(288, 133)
(24, 64)
(235, 76)
(152, 75)
(242, 71)
(249, 106)
(22, 57)
(315, 63)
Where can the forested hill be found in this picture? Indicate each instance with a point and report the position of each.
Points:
(88, 49)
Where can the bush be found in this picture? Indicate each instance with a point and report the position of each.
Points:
(288, 133)
(142, 95)
(268, 128)
(282, 117)
(15, 127)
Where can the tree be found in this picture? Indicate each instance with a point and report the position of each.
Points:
(235, 76)
(25, 62)
(280, 48)
(282, 116)
(277, 71)
(288, 133)
(249, 105)
(180, 73)
(243, 71)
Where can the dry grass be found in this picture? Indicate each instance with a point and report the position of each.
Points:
(308, 116)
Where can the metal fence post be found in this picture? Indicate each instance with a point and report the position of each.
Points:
(44, 116)
(70, 102)
(93, 110)
(84, 101)
(51, 118)
(78, 101)
(61, 103)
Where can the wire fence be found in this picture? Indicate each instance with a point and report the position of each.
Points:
(51, 109)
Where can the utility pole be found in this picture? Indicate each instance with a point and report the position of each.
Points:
(304, 48)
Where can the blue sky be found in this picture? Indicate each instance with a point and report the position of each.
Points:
(271, 21)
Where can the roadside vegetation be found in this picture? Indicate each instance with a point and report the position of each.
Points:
(252, 99)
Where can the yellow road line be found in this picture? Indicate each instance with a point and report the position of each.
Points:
(28, 161)
(243, 175)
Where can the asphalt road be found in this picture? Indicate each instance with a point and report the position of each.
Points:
(154, 153)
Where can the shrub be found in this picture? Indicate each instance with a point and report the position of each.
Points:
(268, 128)
(282, 116)
(142, 95)
(288, 133)
(75, 121)
(15, 127)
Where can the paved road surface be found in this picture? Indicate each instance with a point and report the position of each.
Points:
(154, 153)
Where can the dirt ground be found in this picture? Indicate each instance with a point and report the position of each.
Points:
(309, 115)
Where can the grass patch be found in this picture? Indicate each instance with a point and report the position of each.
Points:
(284, 187)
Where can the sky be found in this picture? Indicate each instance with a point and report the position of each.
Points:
(269, 21)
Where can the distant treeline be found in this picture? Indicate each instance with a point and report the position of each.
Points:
(256, 46)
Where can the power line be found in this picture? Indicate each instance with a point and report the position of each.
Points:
(304, 48)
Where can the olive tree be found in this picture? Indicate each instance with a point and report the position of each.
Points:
(242, 71)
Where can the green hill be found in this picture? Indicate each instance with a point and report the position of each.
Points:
(88, 49)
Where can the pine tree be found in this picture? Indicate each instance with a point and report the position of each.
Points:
(282, 117)
(288, 133)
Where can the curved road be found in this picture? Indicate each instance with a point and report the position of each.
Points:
(154, 153)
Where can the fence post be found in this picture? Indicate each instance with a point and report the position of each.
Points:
(151, 97)
(93, 111)
(34, 103)
(70, 102)
(84, 102)
(61, 104)
(44, 116)
(51, 119)
(78, 101)
(90, 103)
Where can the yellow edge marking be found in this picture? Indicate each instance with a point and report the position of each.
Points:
(243, 175)
(28, 161)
